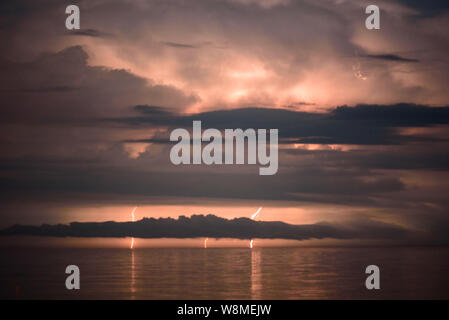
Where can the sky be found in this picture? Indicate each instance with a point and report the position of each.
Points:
(85, 115)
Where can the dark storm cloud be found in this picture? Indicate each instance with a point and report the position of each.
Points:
(89, 33)
(66, 89)
(389, 57)
(402, 115)
(79, 180)
(214, 227)
(362, 124)
(428, 8)
(180, 45)
(432, 157)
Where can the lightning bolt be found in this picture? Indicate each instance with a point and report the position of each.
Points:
(255, 214)
(253, 217)
(132, 214)
(133, 219)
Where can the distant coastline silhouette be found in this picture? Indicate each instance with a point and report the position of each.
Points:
(211, 226)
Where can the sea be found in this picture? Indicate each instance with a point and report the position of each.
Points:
(225, 273)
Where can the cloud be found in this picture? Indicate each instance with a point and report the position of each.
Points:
(427, 9)
(180, 45)
(273, 51)
(266, 4)
(353, 177)
(389, 57)
(213, 227)
(90, 92)
(89, 33)
(361, 124)
(422, 157)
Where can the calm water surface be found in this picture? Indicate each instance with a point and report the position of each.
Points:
(225, 273)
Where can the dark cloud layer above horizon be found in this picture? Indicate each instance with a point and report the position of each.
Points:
(361, 124)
